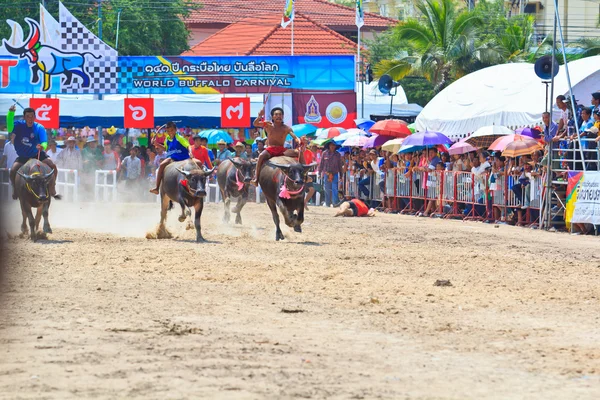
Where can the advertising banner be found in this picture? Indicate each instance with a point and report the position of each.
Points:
(326, 110)
(139, 113)
(583, 198)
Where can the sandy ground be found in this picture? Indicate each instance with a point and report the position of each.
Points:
(346, 310)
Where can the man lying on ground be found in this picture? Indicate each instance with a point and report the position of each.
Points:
(355, 208)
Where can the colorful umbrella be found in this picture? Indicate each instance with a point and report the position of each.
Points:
(426, 138)
(461, 148)
(501, 143)
(486, 135)
(214, 135)
(320, 142)
(355, 141)
(391, 127)
(534, 133)
(378, 140)
(409, 149)
(412, 127)
(393, 145)
(330, 133)
(521, 148)
(363, 123)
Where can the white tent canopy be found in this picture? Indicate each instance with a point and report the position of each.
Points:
(508, 94)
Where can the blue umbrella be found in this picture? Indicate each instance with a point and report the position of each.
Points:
(364, 124)
(214, 135)
(304, 129)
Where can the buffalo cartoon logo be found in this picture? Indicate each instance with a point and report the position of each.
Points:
(50, 61)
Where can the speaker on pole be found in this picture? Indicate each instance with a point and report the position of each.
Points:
(543, 67)
(386, 84)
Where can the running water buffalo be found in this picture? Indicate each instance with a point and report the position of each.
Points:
(185, 183)
(282, 182)
(234, 176)
(31, 187)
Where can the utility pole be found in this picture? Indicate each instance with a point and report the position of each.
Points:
(100, 137)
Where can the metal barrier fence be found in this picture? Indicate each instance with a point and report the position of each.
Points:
(463, 194)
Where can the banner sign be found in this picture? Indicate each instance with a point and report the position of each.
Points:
(79, 73)
(583, 198)
(326, 110)
(47, 112)
(139, 113)
(235, 112)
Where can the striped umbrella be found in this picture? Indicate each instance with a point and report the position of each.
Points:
(330, 133)
(485, 136)
(501, 143)
(355, 141)
(521, 148)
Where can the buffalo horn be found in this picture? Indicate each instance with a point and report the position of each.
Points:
(27, 177)
(186, 173)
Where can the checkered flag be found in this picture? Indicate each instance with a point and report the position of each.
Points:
(101, 61)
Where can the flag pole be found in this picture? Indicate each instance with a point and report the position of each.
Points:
(293, 34)
(362, 113)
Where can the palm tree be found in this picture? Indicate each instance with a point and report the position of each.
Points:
(443, 41)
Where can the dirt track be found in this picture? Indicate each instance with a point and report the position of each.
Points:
(348, 309)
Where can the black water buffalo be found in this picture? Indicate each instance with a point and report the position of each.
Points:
(185, 183)
(31, 188)
(234, 176)
(282, 182)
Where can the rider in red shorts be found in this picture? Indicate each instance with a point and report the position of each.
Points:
(277, 131)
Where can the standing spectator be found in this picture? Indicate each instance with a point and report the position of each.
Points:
(330, 168)
(111, 160)
(70, 157)
(133, 169)
(564, 116)
(211, 155)
(550, 128)
(240, 151)
(200, 153)
(248, 151)
(595, 102)
(160, 156)
(223, 153)
(260, 146)
(10, 154)
(309, 158)
(377, 174)
(92, 161)
(53, 151)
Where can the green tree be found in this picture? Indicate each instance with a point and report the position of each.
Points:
(147, 27)
(442, 42)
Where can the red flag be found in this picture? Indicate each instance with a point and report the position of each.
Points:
(139, 113)
(47, 111)
(235, 112)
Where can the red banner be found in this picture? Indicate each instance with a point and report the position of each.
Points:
(235, 112)
(47, 111)
(139, 113)
(326, 110)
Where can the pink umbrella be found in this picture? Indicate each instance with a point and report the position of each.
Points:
(355, 141)
(461, 148)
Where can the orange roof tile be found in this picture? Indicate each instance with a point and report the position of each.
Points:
(264, 36)
(320, 11)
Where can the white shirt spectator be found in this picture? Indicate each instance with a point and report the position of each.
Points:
(54, 154)
(69, 159)
(133, 167)
(375, 165)
(10, 153)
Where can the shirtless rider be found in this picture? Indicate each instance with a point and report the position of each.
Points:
(277, 131)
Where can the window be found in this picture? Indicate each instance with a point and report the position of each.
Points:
(383, 10)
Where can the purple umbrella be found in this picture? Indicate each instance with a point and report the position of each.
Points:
(377, 140)
(426, 138)
(531, 132)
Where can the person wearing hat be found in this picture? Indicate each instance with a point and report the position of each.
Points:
(92, 156)
(112, 161)
(200, 153)
(53, 151)
(223, 153)
(240, 152)
(70, 157)
(331, 167)
(178, 149)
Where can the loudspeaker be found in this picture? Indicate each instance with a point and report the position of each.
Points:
(543, 67)
(386, 84)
